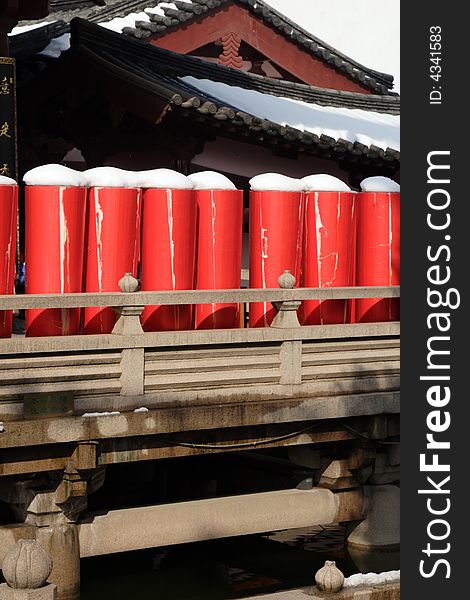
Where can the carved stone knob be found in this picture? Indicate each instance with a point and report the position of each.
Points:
(286, 281)
(329, 578)
(128, 283)
(27, 566)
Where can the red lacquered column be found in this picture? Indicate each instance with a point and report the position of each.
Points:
(219, 254)
(328, 253)
(113, 241)
(8, 217)
(168, 254)
(378, 253)
(54, 245)
(275, 244)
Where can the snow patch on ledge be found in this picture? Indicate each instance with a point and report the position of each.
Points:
(101, 414)
(371, 578)
(141, 409)
(2, 427)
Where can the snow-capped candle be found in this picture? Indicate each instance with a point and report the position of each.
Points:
(379, 184)
(275, 182)
(109, 177)
(322, 182)
(210, 180)
(6, 180)
(53, 174)
(161, 179)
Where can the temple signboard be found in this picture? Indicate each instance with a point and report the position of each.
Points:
(8, 133)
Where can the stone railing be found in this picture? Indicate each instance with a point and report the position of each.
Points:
(128, 368)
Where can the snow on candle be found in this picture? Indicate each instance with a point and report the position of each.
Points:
(379, 184)
(53, 174)
(321, 182)
(110, 177)
(210, 180)
(275, 182)
(7, 180)
(163, 179)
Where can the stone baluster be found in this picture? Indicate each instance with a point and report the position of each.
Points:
(127, 324)
(128, 321)
(329, 578)
(286, 318)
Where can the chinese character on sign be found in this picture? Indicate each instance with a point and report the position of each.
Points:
(4, 86)
(4, 170)
(4, 130)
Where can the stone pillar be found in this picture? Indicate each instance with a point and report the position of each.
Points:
(381, 526)
(61, 541)
(53, 503)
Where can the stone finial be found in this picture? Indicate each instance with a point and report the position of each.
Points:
(329, 578)
(128, 283)
(286, 281)
(27, 565)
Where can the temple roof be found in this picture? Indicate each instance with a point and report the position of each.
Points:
(320, 122)
(147, 19)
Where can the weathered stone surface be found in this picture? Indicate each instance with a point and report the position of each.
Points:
(381, 526)
(47, 592)
(387, 591)
(166, 524)
(61, 542)
(27, 565)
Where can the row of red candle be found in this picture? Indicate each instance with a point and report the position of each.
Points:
(192, 239)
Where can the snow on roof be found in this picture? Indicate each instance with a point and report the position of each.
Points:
(56, 46)
(354, 125)
(117, 24)
(24, 28)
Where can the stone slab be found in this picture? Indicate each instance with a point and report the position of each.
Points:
(387, 591)
(47, 592)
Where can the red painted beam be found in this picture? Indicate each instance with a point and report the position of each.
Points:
(206, 29)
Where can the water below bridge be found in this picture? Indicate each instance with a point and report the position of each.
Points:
(227, 569)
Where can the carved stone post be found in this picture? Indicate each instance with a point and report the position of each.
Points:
(26, 568)
(132, 359)
(286, 318)
(52, 505)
